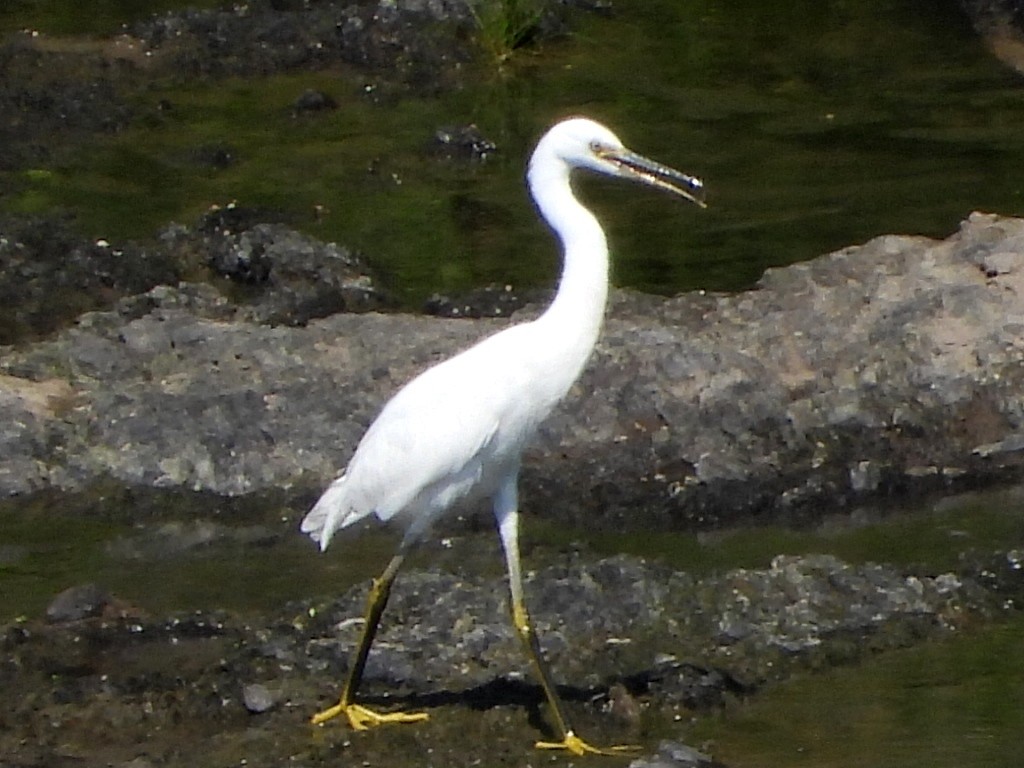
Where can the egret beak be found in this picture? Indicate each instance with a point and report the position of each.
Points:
(630, 165)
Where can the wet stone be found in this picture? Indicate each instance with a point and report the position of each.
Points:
(77, 603)
(673, 754)
(257, 698)
(314, 101)
(489, 301)
(464, 142)
(283, 276)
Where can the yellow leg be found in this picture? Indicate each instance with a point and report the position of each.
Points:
(506, 512)
(570, 741)
(360, 717)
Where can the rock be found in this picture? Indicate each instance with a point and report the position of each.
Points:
(464, 142)
(76, 603)
(672, 754)
(796, 611)
(40, 255)
(314, 101)
(257, 698)
(489, 301)
(289, 277)
(612, 629)
(59, 99)
(892, 367)
(1001, 25)
(282, 275)
(265, 39)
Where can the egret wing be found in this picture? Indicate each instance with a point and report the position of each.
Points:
(430, 439)
(455, 430)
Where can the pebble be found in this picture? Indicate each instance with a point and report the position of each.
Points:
(257, 698)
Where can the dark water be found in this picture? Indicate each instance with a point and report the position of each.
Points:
(815, 125)
(98, 17)
(955, 702)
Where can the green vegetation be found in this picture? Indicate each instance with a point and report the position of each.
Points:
(505, 25)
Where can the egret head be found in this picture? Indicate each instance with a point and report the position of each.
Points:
(583, 143)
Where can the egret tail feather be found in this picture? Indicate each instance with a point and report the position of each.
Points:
(328, 515)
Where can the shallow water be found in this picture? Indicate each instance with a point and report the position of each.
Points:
(815, 126)
(954, 702)
(946, 704)
(177, 551)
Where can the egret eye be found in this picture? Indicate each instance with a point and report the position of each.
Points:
(597, 147)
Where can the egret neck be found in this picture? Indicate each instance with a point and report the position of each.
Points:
(576, 314)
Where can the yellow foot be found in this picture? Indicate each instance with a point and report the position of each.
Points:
(576, 745)
(362, 718)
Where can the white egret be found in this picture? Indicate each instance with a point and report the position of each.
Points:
(457, 431)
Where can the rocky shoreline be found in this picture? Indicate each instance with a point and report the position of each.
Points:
(642, 650)
(879, 370)
(882, 369)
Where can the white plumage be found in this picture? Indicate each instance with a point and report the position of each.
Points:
(457, 431)
(454, 432)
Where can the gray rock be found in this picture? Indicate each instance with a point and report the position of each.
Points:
(274, 274)
(77, 603)
(452, 630)
(672, 754)
(879, 369)
(285, 277)
(257, 698)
